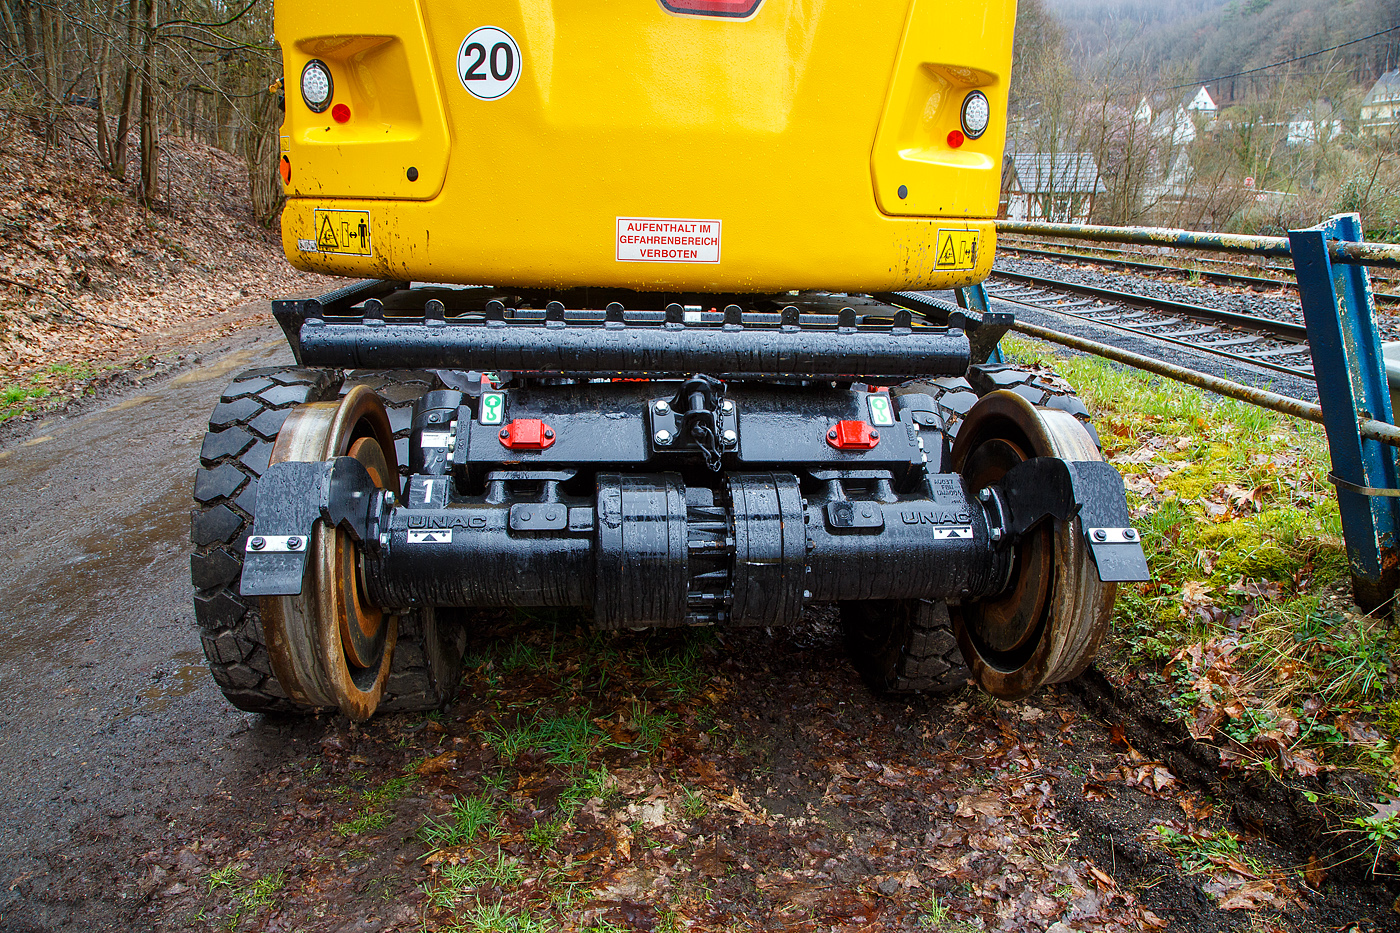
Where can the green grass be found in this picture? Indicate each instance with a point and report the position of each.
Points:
(456, 882)
(1240, 625)
(248, 895)
(468, 817)
(365, 822)
(497, 918)
(565, 738)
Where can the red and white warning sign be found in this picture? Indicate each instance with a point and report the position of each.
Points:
(657, 239)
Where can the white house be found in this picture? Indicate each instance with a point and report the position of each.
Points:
(1315, 123)
(1380, 109)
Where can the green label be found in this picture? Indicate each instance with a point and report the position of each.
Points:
(493, 407)
(881, 415)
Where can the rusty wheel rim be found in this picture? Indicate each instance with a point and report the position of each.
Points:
(1046, 625)
(330, 646)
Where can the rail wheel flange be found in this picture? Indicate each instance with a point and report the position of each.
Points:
(1047, 622)
(330, 646)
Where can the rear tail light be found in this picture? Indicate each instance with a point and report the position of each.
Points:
(976, 114)
(729, 9)
(317, 89)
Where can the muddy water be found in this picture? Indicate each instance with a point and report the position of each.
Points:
(108, 720)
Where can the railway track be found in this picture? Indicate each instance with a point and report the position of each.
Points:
(1268, 343)
(1116, 259)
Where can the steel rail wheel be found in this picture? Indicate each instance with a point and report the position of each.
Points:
(1047, 622)
(330, 646)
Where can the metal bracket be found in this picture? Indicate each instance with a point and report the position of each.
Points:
(291, 498)
(1048, 487)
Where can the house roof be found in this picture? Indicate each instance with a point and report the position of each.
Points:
(1061, 173)
(1387, 88)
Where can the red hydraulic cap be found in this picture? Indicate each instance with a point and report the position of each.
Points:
(527, 434)
(853, 435)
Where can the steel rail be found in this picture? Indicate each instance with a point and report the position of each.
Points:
(1286, 330)
(1154, 268)
(1364, 254)
(1162, 338)
(1283, 404)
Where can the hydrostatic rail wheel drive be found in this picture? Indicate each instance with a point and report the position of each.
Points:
(662, 409)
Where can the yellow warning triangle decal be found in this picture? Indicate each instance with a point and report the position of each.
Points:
(947, 255)
(326, 238)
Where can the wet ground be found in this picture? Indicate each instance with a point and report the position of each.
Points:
(631, 782)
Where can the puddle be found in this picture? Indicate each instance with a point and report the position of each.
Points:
(190, 675)
(131, 402)
(74, 586)
(239, 359)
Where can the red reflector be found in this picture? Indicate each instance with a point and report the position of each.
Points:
(853, 435)
(733, 9)
(527, 434)
(285, 169)
(956, 138)
(340, 113)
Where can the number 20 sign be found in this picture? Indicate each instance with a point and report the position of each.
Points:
(488, 63)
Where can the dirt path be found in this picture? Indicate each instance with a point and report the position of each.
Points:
(657, 781)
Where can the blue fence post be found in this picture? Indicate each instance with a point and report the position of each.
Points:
(974, 298)
(1351, 382)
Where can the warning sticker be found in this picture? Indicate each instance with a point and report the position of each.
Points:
(957, 249)
(655, 239)
(344, 232)
(435, 536)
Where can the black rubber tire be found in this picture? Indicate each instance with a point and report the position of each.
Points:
(908, 646)
(904, 646)
(427, 659)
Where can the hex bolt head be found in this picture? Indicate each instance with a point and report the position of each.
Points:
(726, 406)
(384, 539)
(985, 495)
(996, 535)
(730, 437)
(1100, 534)
(257, 544)
(874, 435)
(663, 437)
(390, 498)
(1130, 534)
(294, 544)
(661, 408)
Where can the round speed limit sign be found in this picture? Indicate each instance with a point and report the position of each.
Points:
(488, 63)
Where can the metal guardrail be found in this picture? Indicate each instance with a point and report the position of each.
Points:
(1381, 255)
(1330, 262)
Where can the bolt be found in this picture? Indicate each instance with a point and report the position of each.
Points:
(434, 417)
(390, 498)
(874, 435)
(996, 535)
(663, 437)
(1130, 534)
(548, 432)
(867, 512)
(661, 408)
(294, 544)
(505, 435)
(384, 539)
(726, 406)
(730, 437)
(831, 434)
(1100, 534)
(526, 515)
(551, 516)
(985, 495)
(257, 544)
